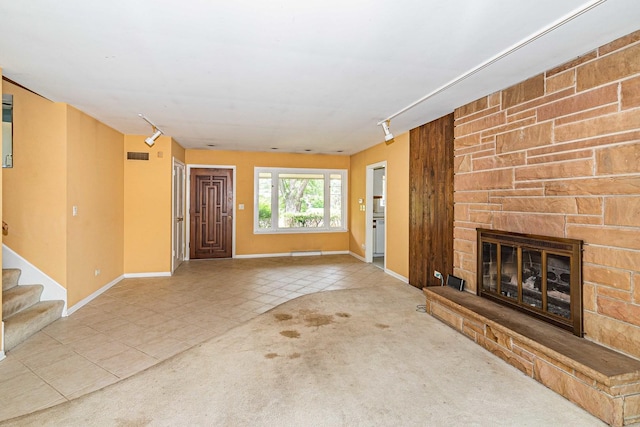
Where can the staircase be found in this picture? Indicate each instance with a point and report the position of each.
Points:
(23, 313)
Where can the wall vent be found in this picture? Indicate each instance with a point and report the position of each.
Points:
(132, 155)
(306, 253)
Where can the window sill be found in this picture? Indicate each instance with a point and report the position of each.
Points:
(301, 231)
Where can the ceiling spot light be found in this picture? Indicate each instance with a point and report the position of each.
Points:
(152, 139)
(388, 136)
(156, 131)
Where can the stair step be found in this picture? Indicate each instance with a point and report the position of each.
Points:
(10, 277)
(27, 322)
(18, 298)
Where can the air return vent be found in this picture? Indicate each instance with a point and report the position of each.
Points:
(132, 155)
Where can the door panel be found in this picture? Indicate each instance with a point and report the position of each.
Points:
(211, 213)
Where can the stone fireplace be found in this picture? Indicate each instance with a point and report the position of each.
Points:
(556, 154)
(538, 275)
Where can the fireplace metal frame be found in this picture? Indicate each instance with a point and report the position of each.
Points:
(549, 248)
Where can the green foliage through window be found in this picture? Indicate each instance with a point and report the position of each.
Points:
(299, 199)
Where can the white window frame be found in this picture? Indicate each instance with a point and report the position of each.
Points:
(274, 200)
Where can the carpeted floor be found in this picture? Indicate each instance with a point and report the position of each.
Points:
(357, 357)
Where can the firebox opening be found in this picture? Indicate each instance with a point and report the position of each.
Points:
(539, 275)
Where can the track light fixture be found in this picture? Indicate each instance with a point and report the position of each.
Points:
(152, 139)
(388, 136)
(156, 131)
(592, 4)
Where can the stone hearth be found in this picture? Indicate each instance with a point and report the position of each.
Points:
(602, 381)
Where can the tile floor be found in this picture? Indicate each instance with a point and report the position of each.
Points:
(378, 261)
(140, 322)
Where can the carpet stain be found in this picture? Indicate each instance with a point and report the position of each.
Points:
(294, 355)
(283, 316)
(318, 319)
(271, 355)
(343, 315)
(382, 326)
(290, 334)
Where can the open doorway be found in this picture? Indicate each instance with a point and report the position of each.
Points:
(376, 236)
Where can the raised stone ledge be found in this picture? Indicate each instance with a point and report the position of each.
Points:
(603, 382)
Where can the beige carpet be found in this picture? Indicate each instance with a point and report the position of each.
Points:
(361, 357)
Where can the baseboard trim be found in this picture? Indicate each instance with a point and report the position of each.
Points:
(31, 275)
(283, 254)
(396, 275)
(386, 270)
(93, 296)
(355, 255)
(151, 274)
(292, 254)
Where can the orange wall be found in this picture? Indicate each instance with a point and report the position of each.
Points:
(248, 243)
(35, 189)
(62, 158)
(95, 185)
(177, 151)
(397, 213)
(147, 206)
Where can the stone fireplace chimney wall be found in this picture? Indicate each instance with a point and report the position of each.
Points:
(559, 155)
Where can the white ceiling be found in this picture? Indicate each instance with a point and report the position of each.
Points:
(297, 75)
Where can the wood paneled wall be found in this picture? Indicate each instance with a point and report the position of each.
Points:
(431, 201)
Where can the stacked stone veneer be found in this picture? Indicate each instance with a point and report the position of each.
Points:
(559, 155)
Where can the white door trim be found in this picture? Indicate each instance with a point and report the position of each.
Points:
(368, 241)
(188, 206)
(174, 215)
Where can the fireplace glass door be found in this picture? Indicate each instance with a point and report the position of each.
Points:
(535, 274)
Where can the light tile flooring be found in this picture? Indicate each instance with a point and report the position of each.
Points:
(140, 322)
(378, 261)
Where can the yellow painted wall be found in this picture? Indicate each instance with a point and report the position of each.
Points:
(177, 151)
(248, 243)
(147, 206)
(35, 189)
(397, 213)
(95, 184)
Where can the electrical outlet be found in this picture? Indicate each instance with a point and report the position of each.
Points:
(437, 274)
(97, 272)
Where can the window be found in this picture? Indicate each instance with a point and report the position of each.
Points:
(300, 200)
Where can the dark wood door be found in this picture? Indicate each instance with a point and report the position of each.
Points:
(431, 201)
(211, 213)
